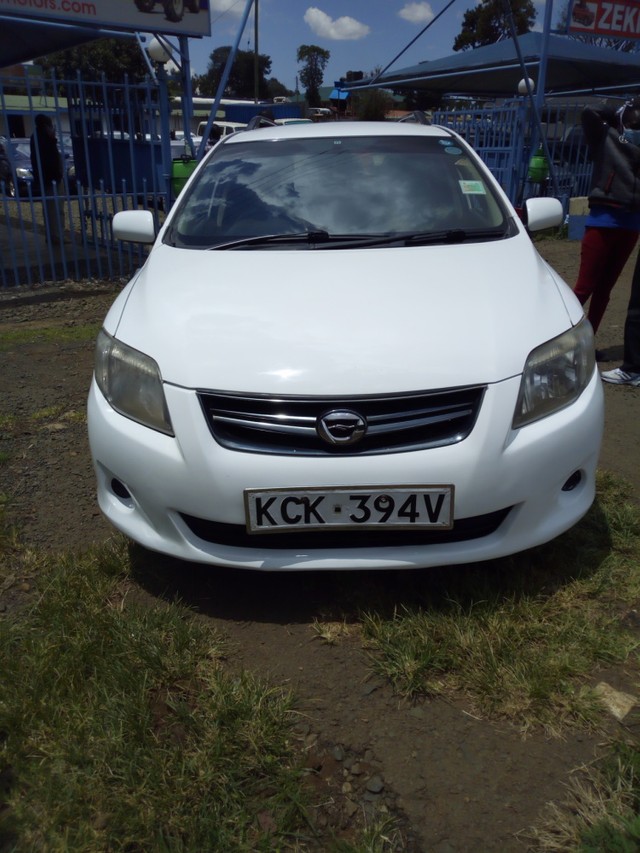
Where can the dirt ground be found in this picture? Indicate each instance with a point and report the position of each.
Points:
(453, 781)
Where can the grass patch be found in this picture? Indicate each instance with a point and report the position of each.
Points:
(7, 423)
(47, 413)
(601, 813)
(520, 636)
(121, 730)
(82, 333)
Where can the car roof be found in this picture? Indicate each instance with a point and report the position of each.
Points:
(344, 129)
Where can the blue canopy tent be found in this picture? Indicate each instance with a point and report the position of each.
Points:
(572, 67)
(556, 65)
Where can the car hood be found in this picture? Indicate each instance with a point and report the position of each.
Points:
(344, 321)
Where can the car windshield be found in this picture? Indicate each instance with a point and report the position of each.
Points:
(339, 187)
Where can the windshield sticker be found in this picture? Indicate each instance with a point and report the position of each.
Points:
(472, 187)
(452, 150)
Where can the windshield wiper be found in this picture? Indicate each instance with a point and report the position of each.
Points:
(323, 239)
(454, 235)
(299, 237)
(417, 238)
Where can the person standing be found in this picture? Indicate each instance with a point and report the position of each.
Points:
(47, 166)
(613, 223)
(629, 371)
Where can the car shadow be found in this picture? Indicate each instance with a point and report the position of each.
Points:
(304, 596)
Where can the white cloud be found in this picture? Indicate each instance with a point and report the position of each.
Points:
(341, 29)
(417, 13)
(220, 7)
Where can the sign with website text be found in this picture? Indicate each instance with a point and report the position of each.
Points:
(605, 18)
(173, 17)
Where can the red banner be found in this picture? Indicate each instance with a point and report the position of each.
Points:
(604, 18)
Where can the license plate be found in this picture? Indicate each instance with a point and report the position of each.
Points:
(395, 507)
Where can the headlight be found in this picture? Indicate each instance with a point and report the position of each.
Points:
(24, 174)
(131, 383)
(555, 374)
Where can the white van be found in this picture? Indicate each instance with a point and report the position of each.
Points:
(226, 126)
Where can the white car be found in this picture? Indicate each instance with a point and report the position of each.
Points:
(344, 352)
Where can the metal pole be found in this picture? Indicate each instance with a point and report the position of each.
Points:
(544, 56)
(256, 55)
(165, 141)
(223, 80)
(187, 93)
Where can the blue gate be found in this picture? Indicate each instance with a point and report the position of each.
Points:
(109, 137)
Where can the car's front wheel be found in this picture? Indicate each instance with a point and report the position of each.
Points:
(174, 10)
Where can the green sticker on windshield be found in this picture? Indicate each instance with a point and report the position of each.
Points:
(472, 187)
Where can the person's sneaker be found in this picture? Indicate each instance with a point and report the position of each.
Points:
(621, 377)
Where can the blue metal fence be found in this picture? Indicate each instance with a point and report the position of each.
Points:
(503, 136)
(111, 138)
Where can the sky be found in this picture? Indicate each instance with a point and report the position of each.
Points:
(360, 35)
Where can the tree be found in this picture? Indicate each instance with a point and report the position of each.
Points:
(114, 58)
(241, 82)
(352, 77)
(277, 89)
(315, 60)
(421, 99)
(374, 104)
(488, 22)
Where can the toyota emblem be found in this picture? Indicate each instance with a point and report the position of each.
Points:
(341, 427)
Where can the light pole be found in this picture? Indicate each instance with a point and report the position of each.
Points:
(160, 54)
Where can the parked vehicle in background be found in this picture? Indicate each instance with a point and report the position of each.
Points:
(425, 395)
(285, 121)
(226, 127)
(319, 113)
(19, 155)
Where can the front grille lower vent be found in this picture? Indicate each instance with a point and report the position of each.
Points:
(236, 536)
(395, 423)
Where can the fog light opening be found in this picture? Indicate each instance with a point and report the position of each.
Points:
(574, 480)
(120, 490)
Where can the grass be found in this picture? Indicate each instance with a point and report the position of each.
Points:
(520, 637)
(120, 729)
(601, 814)
(82, 333)
(123, 728)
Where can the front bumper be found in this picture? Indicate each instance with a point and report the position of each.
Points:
(151, 486)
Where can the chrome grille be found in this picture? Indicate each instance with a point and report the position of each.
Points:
(395, 423)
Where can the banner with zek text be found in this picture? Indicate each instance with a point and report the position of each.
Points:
(605, 18)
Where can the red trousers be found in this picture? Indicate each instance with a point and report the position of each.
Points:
(603, 254)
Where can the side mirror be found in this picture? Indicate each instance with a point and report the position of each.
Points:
(134, 226)
(539, 213)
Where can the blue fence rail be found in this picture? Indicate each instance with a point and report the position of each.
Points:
(110, 142)
(110, 138)
(504, 138)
